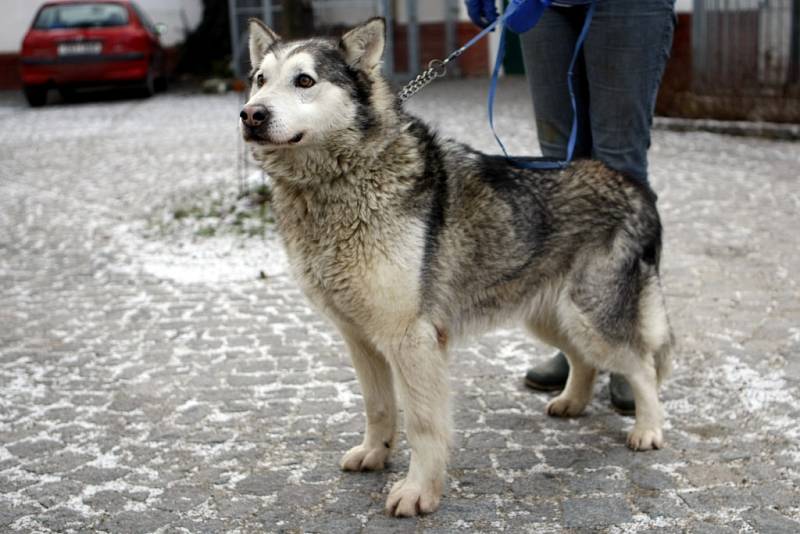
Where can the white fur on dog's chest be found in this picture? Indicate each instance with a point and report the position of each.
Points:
(365, 271)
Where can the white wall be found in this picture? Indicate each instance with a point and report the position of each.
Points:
(178, 15)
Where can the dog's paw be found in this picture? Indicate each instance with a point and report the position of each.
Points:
(363, 458)
(644, 439)
(408, 499)
(564, 406)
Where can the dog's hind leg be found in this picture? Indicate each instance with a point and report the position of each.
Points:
(419, 363)
(375, 376)
(580, 382)
(647, 365)
(578, 390)
(646, 433)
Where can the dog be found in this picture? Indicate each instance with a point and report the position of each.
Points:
(407, 242)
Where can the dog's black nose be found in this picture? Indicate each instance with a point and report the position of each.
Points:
(254, 115)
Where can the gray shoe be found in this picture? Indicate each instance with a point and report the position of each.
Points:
(549, 376)
(621, 395)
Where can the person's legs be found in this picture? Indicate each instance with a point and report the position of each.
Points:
(616, 83)
(626, 51)
(546, 52)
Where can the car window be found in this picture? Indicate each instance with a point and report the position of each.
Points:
(144, 19)
(88, 15)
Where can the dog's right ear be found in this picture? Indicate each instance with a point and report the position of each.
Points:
(261, 38)
(363, 45)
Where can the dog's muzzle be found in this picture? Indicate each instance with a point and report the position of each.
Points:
(255, 120)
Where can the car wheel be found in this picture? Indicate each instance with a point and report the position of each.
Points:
(35, 95)
(67, 93)
(161, 83)
(149, 84)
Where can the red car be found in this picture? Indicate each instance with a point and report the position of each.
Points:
(78, 43)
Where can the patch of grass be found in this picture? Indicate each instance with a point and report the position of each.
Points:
(217, 212)
(207, 231)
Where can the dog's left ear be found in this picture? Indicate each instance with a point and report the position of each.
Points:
(261, 38)
(363, 45)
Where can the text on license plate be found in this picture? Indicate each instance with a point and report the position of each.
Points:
(77, 49)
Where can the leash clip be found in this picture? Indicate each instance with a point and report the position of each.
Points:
(438, 67)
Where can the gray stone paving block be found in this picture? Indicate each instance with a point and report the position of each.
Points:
(661, 506)
(124, 402)
(595, 512)
(650, 479)
(8, 463)
(766, 520)
(62, 519)
(707, 527)
(777, 494)
(383, 524)
(261, 484)
(721, 497)
(300, 497)
(485, 440)
(467, 509)
(535, 517)
(470, 459)
(236, 506)
(332, 523)
(705, 475)
(34, 448)
(181, 498)
(49, 494)
(11, 512)
(12, 484)
(210, 436)
(106, 501)
(203, 526)
(127, 522)
(59, 463)
(516, 460)
(481, 482)
(97, 475)
(538, 485)
(598, 482)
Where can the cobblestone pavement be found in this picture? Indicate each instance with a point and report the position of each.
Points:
(155, 382)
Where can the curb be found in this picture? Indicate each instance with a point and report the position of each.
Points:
(767, 130)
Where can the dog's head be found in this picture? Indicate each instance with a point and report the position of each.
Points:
(311, 92)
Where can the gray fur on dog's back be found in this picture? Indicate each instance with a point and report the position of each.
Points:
(496, 234)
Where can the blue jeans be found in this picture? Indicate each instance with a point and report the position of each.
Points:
(616, 79)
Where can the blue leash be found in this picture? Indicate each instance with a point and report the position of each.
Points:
(543, 163)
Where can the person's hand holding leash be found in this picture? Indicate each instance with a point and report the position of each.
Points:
(520, 15)
(482, 12)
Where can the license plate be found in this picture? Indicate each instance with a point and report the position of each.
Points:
(79, 49)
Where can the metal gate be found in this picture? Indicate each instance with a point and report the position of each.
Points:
(303, 18)
(746, 47)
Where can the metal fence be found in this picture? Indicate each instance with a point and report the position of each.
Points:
(746, 47)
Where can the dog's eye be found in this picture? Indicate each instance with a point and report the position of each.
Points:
(304, 81)
(260, 80)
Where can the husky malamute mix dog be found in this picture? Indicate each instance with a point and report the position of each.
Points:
(407, 242)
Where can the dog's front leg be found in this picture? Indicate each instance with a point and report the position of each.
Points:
(375, 377)
(420, 366)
